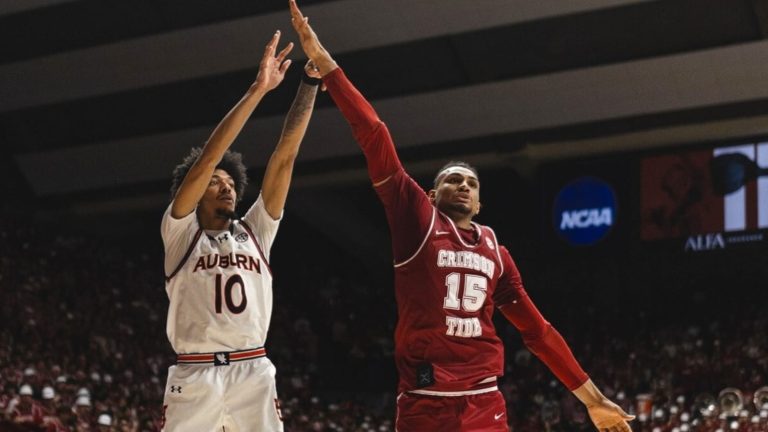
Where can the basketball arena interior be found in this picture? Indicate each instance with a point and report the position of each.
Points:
(622, 150)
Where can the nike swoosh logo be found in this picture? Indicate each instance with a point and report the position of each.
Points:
(498, 416)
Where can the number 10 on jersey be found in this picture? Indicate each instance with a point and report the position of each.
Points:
(227, 289)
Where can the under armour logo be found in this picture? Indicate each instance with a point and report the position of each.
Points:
(175, 389)
(223, 238)
(221, 359)
(424, 378)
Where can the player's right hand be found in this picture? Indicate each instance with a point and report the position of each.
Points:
(609, 417)
(272, 68)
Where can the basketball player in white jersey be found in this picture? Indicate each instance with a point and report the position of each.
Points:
(218, 278)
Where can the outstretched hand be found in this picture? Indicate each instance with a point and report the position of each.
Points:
(309, 40)
(272, 68)
(609, 417)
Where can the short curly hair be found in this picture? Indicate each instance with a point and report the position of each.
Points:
(462, 164)
(231, 162)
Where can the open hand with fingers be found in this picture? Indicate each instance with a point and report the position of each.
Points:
(272, 67)
(309, 41)
(609, 417)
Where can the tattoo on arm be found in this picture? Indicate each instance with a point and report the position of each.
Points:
(301, 107)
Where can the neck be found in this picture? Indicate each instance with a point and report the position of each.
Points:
(214, 222)
(461, 221)
(464, 224)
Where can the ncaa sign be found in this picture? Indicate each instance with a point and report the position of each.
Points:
(585, 211)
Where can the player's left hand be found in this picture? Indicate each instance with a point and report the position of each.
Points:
(609, 417)
(309, 40)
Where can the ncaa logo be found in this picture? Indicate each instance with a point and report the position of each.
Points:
(585, 211)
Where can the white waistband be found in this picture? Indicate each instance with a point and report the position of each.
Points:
(456, 393)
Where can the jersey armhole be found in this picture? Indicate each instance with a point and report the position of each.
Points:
(258, 246)
(184, 259)
(423, 242)
(498, 249)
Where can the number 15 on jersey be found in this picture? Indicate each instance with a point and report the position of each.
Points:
(475, 288)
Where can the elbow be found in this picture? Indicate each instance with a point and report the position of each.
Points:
(377, 125)
(371, 132)
(207, 160)
(284, 159)
(537, 335)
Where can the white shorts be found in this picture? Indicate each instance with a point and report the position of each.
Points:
(239, 397)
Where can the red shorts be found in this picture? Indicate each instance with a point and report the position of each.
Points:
(484, 412)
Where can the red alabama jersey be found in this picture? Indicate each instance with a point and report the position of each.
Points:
(445, 289)
(444, 301)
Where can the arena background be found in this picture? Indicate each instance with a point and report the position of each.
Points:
(665, 307)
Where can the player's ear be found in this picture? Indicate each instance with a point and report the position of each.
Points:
(432, 194)
(477, 209)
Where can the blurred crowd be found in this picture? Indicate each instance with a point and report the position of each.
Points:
(83, 348)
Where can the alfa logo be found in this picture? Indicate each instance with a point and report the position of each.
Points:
(241, 238)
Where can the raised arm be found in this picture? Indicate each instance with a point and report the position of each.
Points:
(370, 132)
(277, 177)
(271, 72)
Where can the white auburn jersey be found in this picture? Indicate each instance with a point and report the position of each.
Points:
(218, 282)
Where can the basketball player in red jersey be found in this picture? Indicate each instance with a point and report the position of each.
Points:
(450, 273)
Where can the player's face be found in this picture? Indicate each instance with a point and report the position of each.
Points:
(457, 194)
(220, 194)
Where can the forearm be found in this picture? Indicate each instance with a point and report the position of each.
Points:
(551, 348)
(230, 126)
(358, 112)
(296, 121)
(545, 341)
(193, 186)
(277, 176)
(369, 131)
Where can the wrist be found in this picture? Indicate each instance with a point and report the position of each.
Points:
(325, 63)
(308, 80)
(589, 394)
(256, 91)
